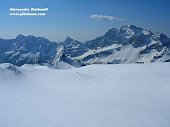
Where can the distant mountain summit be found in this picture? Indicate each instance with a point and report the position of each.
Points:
(129, 44)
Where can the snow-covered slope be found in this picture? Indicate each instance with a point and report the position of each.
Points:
(135, 95)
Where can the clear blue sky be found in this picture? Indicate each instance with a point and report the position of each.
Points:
(72, 17)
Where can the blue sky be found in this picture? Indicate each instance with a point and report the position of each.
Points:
(72, 17)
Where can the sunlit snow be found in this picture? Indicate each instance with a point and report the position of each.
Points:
(136, 95)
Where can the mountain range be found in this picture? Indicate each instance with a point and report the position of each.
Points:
(129, 44)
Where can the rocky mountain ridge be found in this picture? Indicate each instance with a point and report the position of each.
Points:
(129, 44)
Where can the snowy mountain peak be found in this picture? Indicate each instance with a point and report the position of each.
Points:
(71, 43)
(160, 36)
(132, 27)
(112, 32)
(68, 39)
(20, 37)
(129, 31)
